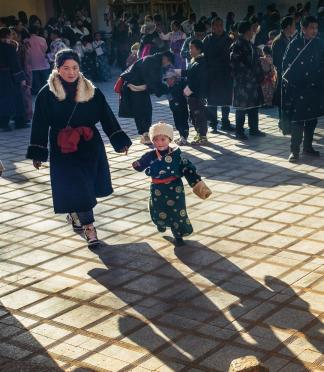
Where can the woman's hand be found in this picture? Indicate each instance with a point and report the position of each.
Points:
(37, 164)
(124, 150)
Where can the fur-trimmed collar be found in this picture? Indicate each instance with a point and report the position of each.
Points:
(84, 92)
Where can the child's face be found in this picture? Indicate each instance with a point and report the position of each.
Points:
(98, 37)
(161, 142)
(171, 81)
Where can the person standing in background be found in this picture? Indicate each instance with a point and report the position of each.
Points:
(39, 63)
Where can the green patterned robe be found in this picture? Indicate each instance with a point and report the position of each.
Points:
(167, 203)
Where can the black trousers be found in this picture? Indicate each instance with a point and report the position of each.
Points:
(300, 130)
(212, 114)
(180, 115)
(253, 119)
(198, 115)
(141, 106)
(86, 218)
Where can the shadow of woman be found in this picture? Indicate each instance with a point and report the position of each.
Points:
(19, 348)
(276, 304)
(261, 173)
(178, 322)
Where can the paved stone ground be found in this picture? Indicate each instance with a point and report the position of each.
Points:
(249, 281)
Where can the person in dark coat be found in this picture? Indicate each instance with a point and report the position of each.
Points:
(12, 77)
(279, 46)
(220, 82)
(141, 79)
(303, 87)
(67, 110)
(196, 91)
(178, 104)
(248, 76)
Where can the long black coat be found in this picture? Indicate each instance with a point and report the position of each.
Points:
(11, 75)
(77, 178)
(279, 46)
(220, 81)
(148, 71)
(247, 73)
(303, 79)
(197, 77)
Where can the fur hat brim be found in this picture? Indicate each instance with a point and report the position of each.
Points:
(161, 128)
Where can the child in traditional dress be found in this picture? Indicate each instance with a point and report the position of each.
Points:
(100, 47)
(269, 83)
(165, 165)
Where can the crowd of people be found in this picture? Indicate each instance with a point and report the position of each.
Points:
(198, 65)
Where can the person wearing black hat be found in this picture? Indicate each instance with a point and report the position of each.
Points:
(66, 111)
(248, 75)
(220, 82)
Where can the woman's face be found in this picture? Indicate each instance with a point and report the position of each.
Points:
(194, 52)
(69, 71)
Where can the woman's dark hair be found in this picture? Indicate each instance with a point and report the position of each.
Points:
(216, 19)
(306, 21)
(64, 55)
(286, 22)
(198, 44)
(230, 16)
(34, 30)
(244, 27)
(56, 32)
(23, 17)
(33, 18)
(4, 32)
(176, 23)
(169, 55)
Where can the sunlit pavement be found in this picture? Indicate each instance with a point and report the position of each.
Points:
(250, 280)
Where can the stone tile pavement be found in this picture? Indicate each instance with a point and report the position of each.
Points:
(249, 281)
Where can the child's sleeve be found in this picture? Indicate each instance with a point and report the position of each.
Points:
(143, 162)
(189, 171)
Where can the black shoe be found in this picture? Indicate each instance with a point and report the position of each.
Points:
(293, 158)
(312, 152)
(6, 128)
(257, 133)
(226, 126)
(241, 136)
(22, 126)
(179, 242)
(161, 229)
(213, 126)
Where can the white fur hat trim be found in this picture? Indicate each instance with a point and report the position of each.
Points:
(161, 128)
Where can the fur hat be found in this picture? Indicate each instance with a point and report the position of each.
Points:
(161, 128)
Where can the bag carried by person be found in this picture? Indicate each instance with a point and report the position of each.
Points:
(202, 190)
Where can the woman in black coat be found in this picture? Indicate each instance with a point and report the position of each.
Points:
(66, 110)
(141, 79)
